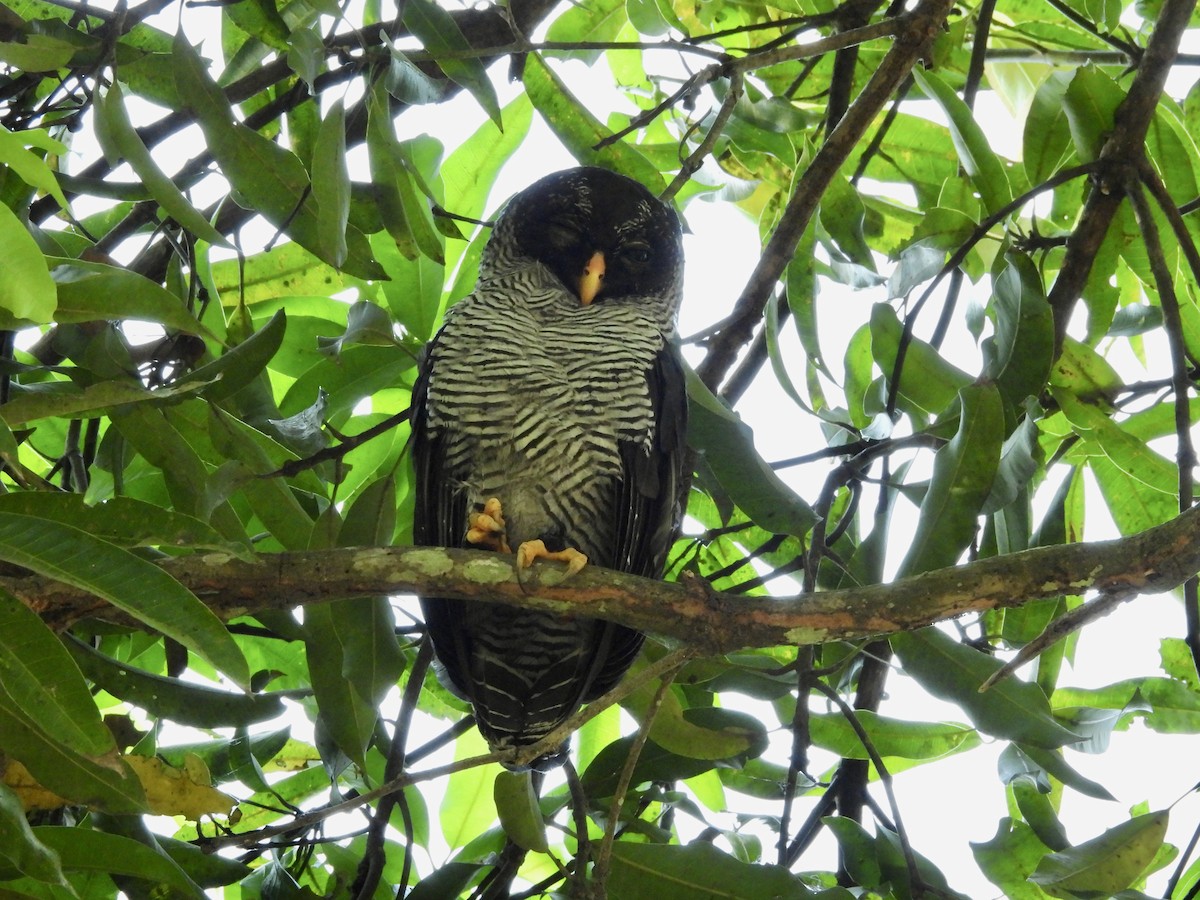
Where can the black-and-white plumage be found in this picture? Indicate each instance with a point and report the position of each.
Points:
(571, 411)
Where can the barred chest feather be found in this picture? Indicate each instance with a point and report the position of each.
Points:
(531, 393)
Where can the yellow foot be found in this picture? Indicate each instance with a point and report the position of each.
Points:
(534, 550)
(486, 527)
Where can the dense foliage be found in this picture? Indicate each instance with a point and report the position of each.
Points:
(223, 244)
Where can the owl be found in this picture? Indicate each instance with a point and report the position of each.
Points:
(549, 419)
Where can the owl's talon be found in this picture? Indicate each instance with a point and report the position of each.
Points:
(486, 528)
(530, 551)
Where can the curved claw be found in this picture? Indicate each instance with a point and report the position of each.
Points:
(531, 551)
(486, 527)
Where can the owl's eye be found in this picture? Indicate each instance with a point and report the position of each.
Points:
(637, 253)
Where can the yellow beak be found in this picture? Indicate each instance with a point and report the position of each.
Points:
(592, 279)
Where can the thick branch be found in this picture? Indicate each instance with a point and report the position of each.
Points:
(918, 28)
(1125, 145)
(690, 612)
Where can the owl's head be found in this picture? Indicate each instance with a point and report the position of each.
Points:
(604, 236)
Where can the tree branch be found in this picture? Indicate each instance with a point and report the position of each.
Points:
(689, 612)
(914, 32)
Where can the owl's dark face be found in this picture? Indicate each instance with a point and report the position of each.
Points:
(603, 235)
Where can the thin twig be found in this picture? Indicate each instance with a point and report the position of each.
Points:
(604, 855)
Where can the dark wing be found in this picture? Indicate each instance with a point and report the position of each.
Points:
(439, 520)
(648, 510)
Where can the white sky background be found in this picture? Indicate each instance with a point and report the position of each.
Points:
(949, 803)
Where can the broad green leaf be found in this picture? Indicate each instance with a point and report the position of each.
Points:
(64, 399)
(1047, 135)
(243, 363)
(890, 737)
(698, 871)
(963, 472)
(601, 777)
(1010, 857)
(1107, 864)
(287, 270)
(130, 583)
(331, 184)
(439, 34)
(858, 851)
(29, 166)
(468, 808)
(579, 130)
(121, 141)
(92, 291)
(273, 500)
(405, 220)
(346, 716)
(1011, 709)
(121, 520)
(974, 150)
(1022, 350)
(927, 380)
(38, 674)
(520, 816)
(599, 21)
(26, 291)
(270, 177)
(102, 782)
(1053, 762)
(171, 698)
(408, 83)
(20, 848)
(1084, 372)
(1131, 455)
(85, 850)
(728, 447)
(1090, 101)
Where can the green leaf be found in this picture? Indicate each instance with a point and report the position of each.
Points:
(1047, 135)
(26, 291)
(1091, 101)
(120, 520)
(728, 447)
(1022, 351)
(580, 131)
(974, 150)
(269, 176)
(890, 737)
(696, 872)
(131, 584)
(1107, 864)
(520, 816)
(85, 850)
(242, 364)
(963, 472)
(1011, 709)
(439, 34)
(103, 782)
(171, 698)
(1010, 857)
(92, 292)
(331, 186)
(20, 848)
(29, 166)
(345, 714)
(38, 674)
(468, 807)
(600, 21)
(927, 381)
(1084, 372)
(121, 141)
